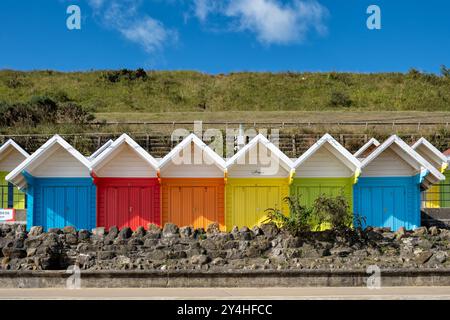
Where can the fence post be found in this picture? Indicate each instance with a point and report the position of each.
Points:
(294, 149)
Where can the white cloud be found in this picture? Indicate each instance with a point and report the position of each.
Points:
(202, 8)
(96, 3)
(124, 16)
(272, 21)
(149, 33)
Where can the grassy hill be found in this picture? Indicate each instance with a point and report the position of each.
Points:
(186, 91)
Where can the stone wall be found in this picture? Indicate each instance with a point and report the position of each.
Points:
(263, 248)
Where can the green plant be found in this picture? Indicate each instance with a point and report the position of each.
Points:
(296, 222)
(445, 71)
(333, 211)
(340, 99)
(359, 221)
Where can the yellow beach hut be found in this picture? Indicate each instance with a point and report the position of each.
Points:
(258, 178)
(434, 197)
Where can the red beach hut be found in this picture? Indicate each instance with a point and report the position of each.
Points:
(128, 190)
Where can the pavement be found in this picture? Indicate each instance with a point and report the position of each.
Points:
(305, 293)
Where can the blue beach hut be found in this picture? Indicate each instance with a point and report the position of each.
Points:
(59, 189)
(388, 191)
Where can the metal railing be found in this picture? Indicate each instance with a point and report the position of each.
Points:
(11, 197)
(437, 196)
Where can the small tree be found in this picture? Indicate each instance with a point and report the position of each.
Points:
(445, 71)
(334, 211)
(340, 99)
(296, 222)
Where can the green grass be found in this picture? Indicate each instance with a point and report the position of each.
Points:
(186, 91)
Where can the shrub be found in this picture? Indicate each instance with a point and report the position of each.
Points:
(334, 211)
(73, 113)
(414, 73)
(445, 71)
(124, 74)
(42, 110)
(17, 114)
(340, 99)
(45, 109)
(296, 222)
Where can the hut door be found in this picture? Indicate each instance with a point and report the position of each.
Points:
(65, 206)
(129, 206)
(250, 204)
(394, 210)
(204, 206)
(383, 206)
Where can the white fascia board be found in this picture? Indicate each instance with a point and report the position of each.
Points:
(218, 160)
(408, 150)
(103, 157)
(431, 148)
(36, 156)
(12, 144)
(327, 138)
(97, 152)
(288, 164)
(369, 143)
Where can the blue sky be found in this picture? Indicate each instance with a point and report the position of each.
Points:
(225, 36)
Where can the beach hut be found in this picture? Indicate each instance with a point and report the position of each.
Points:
(258, 178)
(445, 185)
(434, 197)
(388, 191)
(11, 155)
(326, 168)
(366, 149)
(58, 185)
(97, 152)
(192, 185)
(128, 191)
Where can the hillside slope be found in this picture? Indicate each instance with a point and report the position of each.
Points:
(176, 91)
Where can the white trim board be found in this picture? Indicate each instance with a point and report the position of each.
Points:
(97, 152)
(15, 176)
(434, 153)
(192, 138)
(345, 156)
(368, 144)
(285, 161)
(12, 144)
(436, 176)
(109, 152)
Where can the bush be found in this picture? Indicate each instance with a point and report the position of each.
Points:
(296, 222)
(124, 74)
(74, 113)
(42, 110)
(445, 71)
(340, 99)
(334, 211)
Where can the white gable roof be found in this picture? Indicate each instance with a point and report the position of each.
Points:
(96, 153)
(367, 145)
(346, 157)
(433, 152)
(434, 175)
(16, 177)
(192, 138)
(285, 161)
(12, 144)
(104, 156)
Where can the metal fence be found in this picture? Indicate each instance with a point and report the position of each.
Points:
(158, 145)
(11, 197)
(438, 196)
